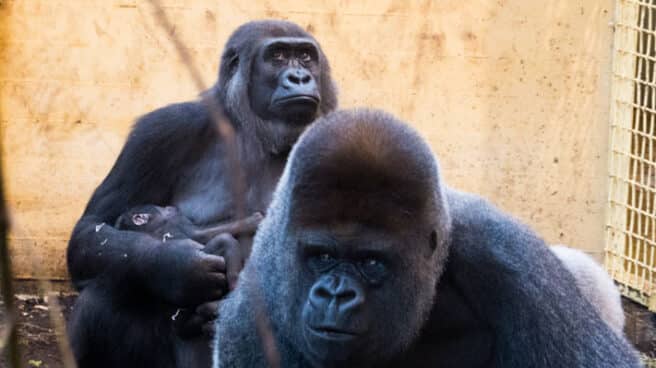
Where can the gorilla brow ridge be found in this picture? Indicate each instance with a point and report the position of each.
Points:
(359, 173)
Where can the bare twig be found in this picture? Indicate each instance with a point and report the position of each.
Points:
(264, 331)
(12, 349)
(217, 114)
(238, 182)
(59, 325)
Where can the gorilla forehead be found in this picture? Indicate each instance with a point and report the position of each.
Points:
(258, 29)
(363, 165)
(242, 39)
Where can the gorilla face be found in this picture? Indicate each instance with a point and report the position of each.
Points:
(286, 71)
(351, 276)
(274, 80)
(347, 269)
(150, 218)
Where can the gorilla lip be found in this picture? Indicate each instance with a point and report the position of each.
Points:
(298, 99)
(332, 333)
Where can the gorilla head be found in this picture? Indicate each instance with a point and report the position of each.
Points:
(150, 218)
(273, 81)
(357, 230)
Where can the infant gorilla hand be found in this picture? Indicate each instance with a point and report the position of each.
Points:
(183, 274)
(228, 247)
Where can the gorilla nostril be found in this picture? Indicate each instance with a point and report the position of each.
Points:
(346, 296)
(350, 299)
(294, 79)
(305, 79)
(323, 293)
(320, 295)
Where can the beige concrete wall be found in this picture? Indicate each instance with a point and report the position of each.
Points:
(512, 94)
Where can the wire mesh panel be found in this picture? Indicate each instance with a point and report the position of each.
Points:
(631, 227)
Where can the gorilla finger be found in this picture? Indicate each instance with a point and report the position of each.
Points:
(208, 329)
(234, 264)
(216, 293)
(218, 244)
(217, 286)
(208, 310)
(214, 263)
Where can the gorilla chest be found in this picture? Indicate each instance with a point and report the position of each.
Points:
(453, 336)
(205, 191)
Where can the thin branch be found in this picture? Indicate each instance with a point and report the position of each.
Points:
(217, 114)
(59, 325)
(12, 350)
(238, 183)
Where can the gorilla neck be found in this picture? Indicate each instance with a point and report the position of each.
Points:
(277, 137)
(271, 137)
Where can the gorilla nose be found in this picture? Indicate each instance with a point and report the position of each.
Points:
(344, 293)
(293, 78)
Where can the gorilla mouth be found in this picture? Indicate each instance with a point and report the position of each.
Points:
(333, 333)
(298, 99)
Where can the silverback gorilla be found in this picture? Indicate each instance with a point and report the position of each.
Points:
(274, 80)
(365, 259)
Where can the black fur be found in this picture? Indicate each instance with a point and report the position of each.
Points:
(168, 223)
(131, 283)
(502, 299)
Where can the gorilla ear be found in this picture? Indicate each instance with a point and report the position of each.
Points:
(433, 240)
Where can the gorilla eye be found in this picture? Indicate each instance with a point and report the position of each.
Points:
(373, 269)
(325, 257)
(305, 57)
(371, 262)
(140, 218)
(321, 261)
(278, 55)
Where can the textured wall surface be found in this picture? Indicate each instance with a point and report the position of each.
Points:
(512, 94)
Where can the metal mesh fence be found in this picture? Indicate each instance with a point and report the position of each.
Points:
(631, 225)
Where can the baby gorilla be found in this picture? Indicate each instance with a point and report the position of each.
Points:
(168, 223)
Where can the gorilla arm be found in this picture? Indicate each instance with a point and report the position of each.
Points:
(145, 172)
(519, 287)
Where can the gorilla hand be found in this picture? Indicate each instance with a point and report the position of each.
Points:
(228, 247)
(193, 322)
(182, 274)
(189, 323)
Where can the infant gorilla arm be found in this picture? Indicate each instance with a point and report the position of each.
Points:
(365, 259)
(167, 222)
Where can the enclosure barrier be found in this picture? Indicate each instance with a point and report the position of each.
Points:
(631, 222)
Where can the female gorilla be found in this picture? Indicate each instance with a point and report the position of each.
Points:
(274, 80)
(345, 269)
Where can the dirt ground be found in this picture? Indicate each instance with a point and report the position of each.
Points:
(37, 338)
(38, 341)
